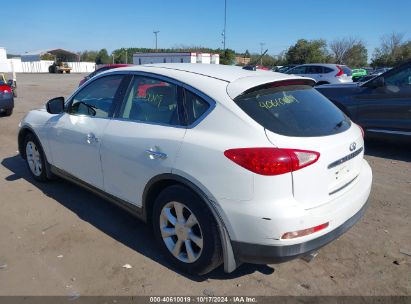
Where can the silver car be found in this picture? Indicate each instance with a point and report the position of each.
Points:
(323, 73)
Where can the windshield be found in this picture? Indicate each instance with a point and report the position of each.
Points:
(293, 110)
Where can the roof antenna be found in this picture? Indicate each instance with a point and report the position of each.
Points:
(253, 66)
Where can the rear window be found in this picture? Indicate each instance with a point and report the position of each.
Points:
(293, 110)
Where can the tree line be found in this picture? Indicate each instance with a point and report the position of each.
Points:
(393, 50)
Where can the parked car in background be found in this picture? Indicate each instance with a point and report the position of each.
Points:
(357, 74)
(227, 164)
(323, 73)
(103, 69)
(6, 98)
(366, 77)
(11, 82)
(382, 105)
(284, 68)
(379, 71)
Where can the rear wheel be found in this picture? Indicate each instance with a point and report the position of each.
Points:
(186, 231)
(35, 159)
(9, 112)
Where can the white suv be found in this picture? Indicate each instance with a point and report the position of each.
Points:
(227, 165)
(323, 73)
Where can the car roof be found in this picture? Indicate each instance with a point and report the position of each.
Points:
(331, 65)
(238, 79)
(222, 72)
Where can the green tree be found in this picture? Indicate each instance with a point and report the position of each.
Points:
(88, 56)
(356, 56)
(267, 60)
(392, 51)
(227, 56)
(103, 57)
(304, 51)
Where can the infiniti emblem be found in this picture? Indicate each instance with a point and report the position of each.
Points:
(353, 146)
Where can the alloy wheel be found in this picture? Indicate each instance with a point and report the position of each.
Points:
(181, 232)
(33, 158)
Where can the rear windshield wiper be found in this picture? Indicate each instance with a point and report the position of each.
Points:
(339, 125)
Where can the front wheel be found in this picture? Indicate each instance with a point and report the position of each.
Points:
(35, 159)
(186, 231)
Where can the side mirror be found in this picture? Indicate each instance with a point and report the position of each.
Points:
(10, 83)
(378, 82)
(55, 105)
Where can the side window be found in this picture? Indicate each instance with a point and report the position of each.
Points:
(151, 100)
(314, 69)
(327, 70)
(96, 99)
(297, 70)
(401, 78)
(195, 107)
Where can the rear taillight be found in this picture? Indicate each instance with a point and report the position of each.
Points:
(362, 131)
(304, 232)
(5, 92)
(340, 71)
(272, 161)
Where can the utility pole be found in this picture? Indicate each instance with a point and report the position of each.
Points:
(261, 52)
(225, 23)
(126, 56)
(156, 33)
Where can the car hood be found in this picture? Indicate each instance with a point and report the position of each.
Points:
(340, 92)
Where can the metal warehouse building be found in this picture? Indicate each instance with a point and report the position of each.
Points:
(184, 57)
(60, 55)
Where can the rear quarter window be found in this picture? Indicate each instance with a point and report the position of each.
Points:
(293, 110)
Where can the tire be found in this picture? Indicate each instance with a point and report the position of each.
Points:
(35, 159)
(14, 93)
(9, 112)
(201, 235)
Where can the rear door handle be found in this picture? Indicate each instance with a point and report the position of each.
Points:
(155, 154)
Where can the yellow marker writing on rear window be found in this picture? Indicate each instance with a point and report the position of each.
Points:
(276, 102)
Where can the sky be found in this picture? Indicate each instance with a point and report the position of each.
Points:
(92, 25)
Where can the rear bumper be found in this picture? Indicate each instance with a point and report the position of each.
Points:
(6, 104)
(266, 254)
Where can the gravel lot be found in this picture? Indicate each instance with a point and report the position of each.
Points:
(58, 239)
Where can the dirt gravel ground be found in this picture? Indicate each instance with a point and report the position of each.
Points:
(58, 239)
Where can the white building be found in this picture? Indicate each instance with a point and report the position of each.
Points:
(4, 64)
(186, 57)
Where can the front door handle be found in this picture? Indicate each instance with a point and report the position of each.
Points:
(91, 138)
(152, 154)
